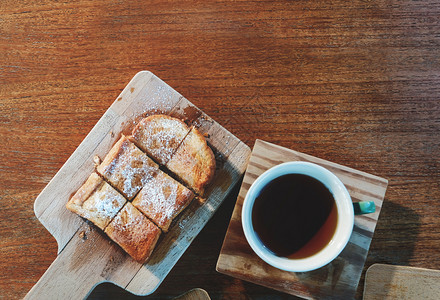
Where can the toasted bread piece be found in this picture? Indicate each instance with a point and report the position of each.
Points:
(162, 199)
(134, 232)
(127, 168)
(193, 162)
(96, 201)
(159, 136)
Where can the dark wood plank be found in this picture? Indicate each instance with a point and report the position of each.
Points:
(354, 82)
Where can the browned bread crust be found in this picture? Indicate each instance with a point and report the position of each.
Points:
(162, 199)
(96, 201)
(134, 232)
(159, 136)
(136, 226)
(127, 168)
(193, 162)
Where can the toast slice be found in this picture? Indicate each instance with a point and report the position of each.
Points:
(127, 168)
(159, 136)
(134, 232)
(162, 199)
(96, 201)
(193, 162)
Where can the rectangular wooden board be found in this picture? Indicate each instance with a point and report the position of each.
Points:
(386, 282)
(339, 279)
(86, 257)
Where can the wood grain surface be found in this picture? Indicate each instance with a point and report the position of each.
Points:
(194, 294)
(353, 82)
(338, 279)
(386, 282)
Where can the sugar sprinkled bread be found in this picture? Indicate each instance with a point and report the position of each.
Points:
(193, 162)
(160, 136)
(134, 232)
(162, 199)
(96, 201)
(127, 168)
(128, 171)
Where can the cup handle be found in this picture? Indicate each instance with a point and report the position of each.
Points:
(364, 207)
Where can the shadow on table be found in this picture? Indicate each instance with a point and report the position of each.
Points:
(196, 268)
(393, 243)
(394, 238)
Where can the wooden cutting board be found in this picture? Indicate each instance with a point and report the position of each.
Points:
(194, 294)
(400, 282)
(340, 278)
(86, 257)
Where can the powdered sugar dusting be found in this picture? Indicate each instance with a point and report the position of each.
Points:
(162, 142)
(160, 100)
(160, 137)
(198, 122)
(103, 205)
(132, 217)
(128, 218)
(182, 223)
(130, 170)
(203, 122)
(184, 165)
(162, 199)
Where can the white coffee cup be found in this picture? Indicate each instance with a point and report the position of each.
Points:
(344, 226)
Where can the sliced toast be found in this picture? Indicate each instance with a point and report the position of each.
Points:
(159, 136)
(193, 162)
(134, 232)
(127, 168)
(96, 201)
(162, 199)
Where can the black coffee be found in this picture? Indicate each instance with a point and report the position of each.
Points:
(295, 216)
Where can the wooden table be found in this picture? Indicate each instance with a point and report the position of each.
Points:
(353, 82)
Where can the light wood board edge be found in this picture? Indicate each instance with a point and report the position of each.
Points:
(194, 294)
(401, 282)
(118, 266)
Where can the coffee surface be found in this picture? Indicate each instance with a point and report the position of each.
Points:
(295, 216)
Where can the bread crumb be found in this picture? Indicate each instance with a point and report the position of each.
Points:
(112, 134)
(83, 235)
(96, 160)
